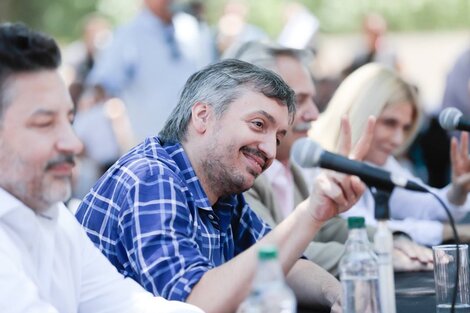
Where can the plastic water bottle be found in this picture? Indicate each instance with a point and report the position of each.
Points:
(269, 293)
(359, 271)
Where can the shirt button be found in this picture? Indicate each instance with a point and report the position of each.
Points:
(211, 217)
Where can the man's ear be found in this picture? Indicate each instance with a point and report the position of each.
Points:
(201, 115)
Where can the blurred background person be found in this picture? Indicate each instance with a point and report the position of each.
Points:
(300, 27)
(457, 89)
(379, 91)
(135, 84)
(147, 63)
(374, 47)
(205, 46)
(433, 142)
(80, 55)
(233, 28)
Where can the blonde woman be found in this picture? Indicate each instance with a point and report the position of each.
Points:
(378, 91)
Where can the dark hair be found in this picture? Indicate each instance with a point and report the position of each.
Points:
(24, 50)
(219, 85)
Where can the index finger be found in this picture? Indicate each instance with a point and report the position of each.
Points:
(344, 147)
(454, 156)
(363, 144)
(464, 145)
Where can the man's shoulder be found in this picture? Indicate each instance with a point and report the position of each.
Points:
(145, 162)
(69, 227)
(140, 170)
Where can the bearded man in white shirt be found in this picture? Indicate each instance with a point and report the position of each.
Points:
(47, 263)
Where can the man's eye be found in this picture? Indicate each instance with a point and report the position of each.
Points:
(258, 124)
(42, 124)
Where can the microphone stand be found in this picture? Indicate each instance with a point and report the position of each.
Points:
(383, 244)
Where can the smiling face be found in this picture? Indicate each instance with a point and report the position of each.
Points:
(37, 143)
(299, 79)
(241, 143)
(392, 128)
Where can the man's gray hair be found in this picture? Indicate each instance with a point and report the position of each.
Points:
(220, 84)
(265, 54)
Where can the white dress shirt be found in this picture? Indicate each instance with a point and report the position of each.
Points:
(418, 214)
(48, 264)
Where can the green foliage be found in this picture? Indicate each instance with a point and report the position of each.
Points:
(59, 18)
(63, 18)
(402, 15)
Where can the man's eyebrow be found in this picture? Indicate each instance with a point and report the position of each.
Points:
(46, 112)
(43, 112)
(271, 119)
(267, 115)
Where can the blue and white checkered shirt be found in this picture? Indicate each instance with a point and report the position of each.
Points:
(150, 216)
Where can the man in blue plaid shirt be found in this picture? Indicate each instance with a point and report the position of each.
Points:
(170, 213)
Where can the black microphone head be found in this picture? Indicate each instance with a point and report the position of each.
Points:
(306, 152)
(449, 118)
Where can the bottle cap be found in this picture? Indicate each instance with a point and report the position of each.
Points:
(267, 252)
(356, 222)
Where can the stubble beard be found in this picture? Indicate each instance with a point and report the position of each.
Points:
(37, 190)
(223, 180)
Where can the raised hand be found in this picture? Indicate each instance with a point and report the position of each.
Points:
(333, 192)
(359, 151)
(460, 170)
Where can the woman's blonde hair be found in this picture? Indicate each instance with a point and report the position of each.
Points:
(367, 91)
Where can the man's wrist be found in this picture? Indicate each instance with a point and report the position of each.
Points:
(306, 208)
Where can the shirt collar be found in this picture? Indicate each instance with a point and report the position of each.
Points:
(276, 168)
(185, 169)
(10, 203)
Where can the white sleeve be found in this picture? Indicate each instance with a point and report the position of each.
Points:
(424, 232)
(18, 293)
(420, 205)
(423, 206)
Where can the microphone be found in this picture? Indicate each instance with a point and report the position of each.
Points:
(451, 119)
(307, 153)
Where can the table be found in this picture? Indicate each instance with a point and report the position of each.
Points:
(414, 293)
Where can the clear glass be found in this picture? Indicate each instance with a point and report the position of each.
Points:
(445, 257)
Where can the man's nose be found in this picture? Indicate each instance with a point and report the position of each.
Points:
(311, 111)
(68, 141)
(268, 147)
